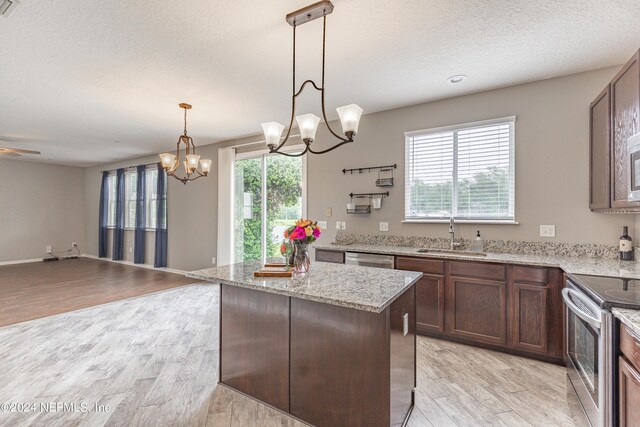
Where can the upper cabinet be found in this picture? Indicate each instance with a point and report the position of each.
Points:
(614, 117)
(600, 151)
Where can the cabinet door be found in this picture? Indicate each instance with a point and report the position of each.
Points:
(529, 322)
(477, 310)
(600, 152)
(629, 390)
(625, 107)
(430, 304)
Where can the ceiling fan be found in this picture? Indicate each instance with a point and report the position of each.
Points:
(8, 152)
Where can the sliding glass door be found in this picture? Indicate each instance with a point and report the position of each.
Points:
(268, 198)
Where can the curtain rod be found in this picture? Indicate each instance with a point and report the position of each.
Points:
(130, 167)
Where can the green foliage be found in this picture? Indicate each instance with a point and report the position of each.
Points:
(436, 199)
(284, 177)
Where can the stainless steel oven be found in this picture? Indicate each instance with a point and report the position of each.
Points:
(589, 357)
(633, 171)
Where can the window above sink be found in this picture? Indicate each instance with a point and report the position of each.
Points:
(465, 171)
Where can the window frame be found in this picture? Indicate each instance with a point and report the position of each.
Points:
(511, 120)
(148, 199)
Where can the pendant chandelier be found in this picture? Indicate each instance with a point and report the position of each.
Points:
(308, 123)
(171, 162)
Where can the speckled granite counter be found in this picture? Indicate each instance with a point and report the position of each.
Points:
(362, 288)
(629, 317)
(583, 265)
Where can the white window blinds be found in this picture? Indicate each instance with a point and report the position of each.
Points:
(464, 171)
(130, 194)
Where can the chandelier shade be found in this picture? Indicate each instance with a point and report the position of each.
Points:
(308, 123)
(171, 162)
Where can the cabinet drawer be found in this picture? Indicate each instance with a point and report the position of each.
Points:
(534, 275)
(329, 256)
(630, 346)
(478, 270)
(429, 266)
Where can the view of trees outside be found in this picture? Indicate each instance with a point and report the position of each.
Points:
(283, 208)
(484, 194)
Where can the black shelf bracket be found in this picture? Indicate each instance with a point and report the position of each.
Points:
(370, 168)
(369, 195)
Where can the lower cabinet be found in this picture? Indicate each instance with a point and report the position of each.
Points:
(516, 308)
(629, 378)
(477, 310)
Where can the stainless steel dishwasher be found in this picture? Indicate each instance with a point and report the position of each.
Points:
(369, 260)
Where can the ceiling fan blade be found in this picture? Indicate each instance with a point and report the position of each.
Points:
(18, 150)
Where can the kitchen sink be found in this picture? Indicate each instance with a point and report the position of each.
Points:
(451, 252)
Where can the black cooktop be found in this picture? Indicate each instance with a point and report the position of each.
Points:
(610, 291)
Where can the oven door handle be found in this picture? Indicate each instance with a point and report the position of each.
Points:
(567, 294)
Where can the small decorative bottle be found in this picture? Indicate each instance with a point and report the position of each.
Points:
(626, 245)
(478, 244)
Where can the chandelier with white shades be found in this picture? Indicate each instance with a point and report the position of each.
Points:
(194, 166)
(308, 123)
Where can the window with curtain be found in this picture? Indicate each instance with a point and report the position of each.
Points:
(130, 189)
(464, 171)
(111, 210)
(130, 194)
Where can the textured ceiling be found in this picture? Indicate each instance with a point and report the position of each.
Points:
(78, 75)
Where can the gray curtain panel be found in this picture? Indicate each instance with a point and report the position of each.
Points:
(161, 219)
(141, 215)
(118, 232)
(103, 215)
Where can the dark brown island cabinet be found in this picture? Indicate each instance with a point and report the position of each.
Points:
(511, 308)
(629, 378)
(614, 117)
(326, 364)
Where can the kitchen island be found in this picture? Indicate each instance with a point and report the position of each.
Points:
(334, 347)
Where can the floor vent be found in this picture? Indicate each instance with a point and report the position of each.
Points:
(6, 7)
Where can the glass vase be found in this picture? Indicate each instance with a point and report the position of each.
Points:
(301, 260)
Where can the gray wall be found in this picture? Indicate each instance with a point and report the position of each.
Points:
(551, 179)
(552, 170)
(40, 205)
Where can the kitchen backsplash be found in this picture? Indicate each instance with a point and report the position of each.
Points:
(495, 246)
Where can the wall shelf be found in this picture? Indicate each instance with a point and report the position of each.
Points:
(369, 169)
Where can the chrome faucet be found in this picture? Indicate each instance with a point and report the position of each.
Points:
(452, 231)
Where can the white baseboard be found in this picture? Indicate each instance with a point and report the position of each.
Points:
(20, 261)
(149, 266)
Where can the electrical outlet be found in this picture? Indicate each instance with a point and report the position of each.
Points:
(328, 212)
(384, 226)
(213, 260)
(322, 225)
(130, 249)
(338, 225)
(48, 249)
(344, 225)
(547, 231)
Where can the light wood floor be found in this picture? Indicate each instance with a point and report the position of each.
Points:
(40, 289)
(154, 360)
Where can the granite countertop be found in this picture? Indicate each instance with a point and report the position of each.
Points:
(629, 317)
(361, 288)
(573, 265)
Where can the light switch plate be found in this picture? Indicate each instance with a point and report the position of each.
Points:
(384, 226)
(547, 231)
(338, 225)
(328, 212)
(322, 225)
(344, 225)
